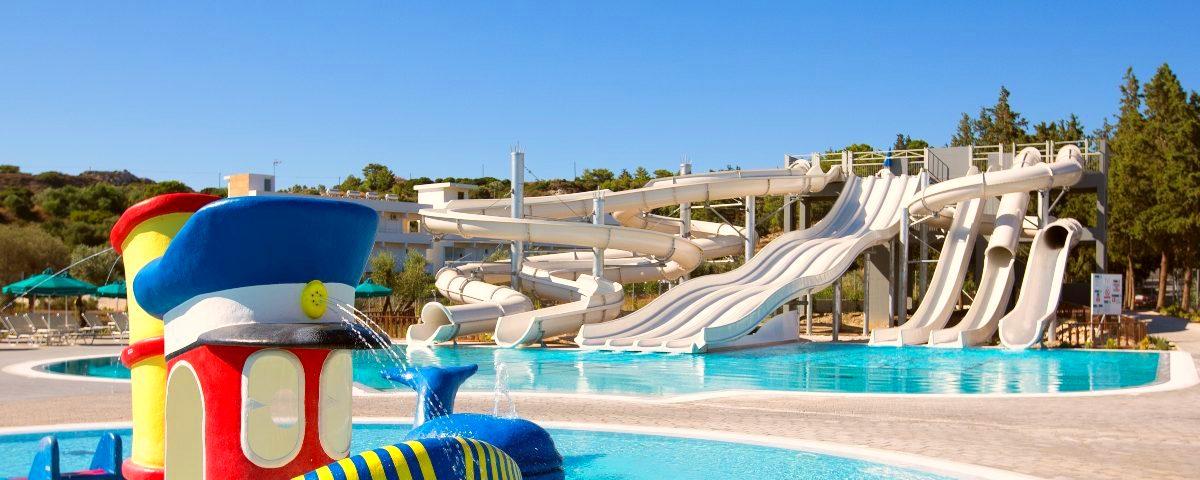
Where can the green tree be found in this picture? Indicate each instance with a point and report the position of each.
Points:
(905, 142)
(1000, 124)
(26, 250)
(414, 285)
(1132, 190)
(350, 183)
(144, 191)
(18, 202)
(592, 178)
(378, 178)
(1173, 134)
(964, 133)
(98, 270)
(663, 173)
(10, 169)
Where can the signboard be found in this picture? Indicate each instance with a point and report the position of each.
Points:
(1106, 294)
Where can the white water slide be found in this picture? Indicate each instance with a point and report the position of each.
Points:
(1035, 310)
(935, 310)
(997, 278)
(948, 276)
(718, 310)
(644, 248)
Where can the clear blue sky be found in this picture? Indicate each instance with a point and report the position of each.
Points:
(189, 91)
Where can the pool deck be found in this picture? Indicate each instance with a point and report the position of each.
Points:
(1149, 435)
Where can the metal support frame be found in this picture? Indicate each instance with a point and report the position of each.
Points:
(866, 309)
(598, 219)
(902, 270)
(923, 249)
(751, 234)
(837, 308)
(517, 177)
(808, 312)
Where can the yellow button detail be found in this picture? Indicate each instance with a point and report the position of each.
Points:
(314, 299)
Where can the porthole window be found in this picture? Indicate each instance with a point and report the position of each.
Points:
(335, 415)
(272, 408)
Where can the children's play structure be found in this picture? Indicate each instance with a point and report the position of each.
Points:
(240, 355)
(877, 206)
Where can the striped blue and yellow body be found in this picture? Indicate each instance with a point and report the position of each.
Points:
(442, 458)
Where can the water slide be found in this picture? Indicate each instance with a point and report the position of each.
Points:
(1035, 309)
(719, 309)
(643, 248)
(943, 292)
(995, 288)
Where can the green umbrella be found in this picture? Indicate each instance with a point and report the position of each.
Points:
(370, 289)
(112, 290)
(47, 284)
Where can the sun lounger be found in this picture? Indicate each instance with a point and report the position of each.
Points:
(20, 330)
(97, 326)
(120, 325)
(44, 332)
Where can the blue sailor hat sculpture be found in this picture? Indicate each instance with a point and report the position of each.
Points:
(261, 271)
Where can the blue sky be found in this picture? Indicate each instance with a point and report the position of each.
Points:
(191, 91)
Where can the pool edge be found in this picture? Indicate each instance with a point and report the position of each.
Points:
(923, 463)
(1182, 373)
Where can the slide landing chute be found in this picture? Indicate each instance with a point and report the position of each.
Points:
(995, 288)
(1024, 326)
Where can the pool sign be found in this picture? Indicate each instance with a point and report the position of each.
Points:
(1106, 294)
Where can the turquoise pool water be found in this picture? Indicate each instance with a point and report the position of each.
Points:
(589, 456)
(811, 367)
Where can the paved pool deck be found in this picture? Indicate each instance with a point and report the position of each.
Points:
(1150, 435)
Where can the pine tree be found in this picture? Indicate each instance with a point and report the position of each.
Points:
(1000, 124)
(1171, 132)
(964, 134)
(1131, 191)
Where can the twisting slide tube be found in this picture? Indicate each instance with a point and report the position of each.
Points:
(645, 248)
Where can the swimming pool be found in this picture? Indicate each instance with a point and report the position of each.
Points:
(806, 367)
(589, 455)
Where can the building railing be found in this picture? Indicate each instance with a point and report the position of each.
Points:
(1090, 150)
(913, 160)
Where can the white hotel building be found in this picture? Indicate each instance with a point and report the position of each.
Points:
(400, 228)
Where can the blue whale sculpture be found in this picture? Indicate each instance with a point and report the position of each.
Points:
(528, 444)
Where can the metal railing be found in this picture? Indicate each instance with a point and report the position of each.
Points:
(983, 157)
(981, 154)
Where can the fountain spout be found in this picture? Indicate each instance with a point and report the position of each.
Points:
(436, 388)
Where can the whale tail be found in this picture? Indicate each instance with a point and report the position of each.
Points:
(436, 388)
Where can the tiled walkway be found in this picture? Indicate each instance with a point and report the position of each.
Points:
(1154, 435)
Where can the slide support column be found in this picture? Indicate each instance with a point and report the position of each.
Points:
(837, 308)
(866, 301)
(902, 270)
(598, 219)
(685, 211)
(518, 211)
(808, 313)
(751, 236)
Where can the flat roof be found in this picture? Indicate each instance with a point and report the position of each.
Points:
(445, 185)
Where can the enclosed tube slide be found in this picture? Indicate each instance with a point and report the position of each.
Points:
(1023, 326)
(648, 251)
(995, 288)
